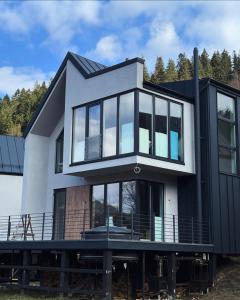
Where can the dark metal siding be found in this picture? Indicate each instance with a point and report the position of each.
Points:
(11, 154)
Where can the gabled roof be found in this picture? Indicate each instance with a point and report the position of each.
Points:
(11, 154)
(87, 67)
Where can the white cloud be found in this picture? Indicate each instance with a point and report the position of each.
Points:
(18, 78)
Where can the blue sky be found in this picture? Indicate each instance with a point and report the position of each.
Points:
(36, 35)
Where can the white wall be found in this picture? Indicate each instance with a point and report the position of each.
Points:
(10, 194)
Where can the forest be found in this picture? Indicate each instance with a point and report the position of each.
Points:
(17, 110)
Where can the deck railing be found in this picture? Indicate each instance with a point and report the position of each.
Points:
(81, 225)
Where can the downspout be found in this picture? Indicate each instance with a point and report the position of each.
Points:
(197, 145)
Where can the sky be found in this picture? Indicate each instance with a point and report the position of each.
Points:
(36, 35)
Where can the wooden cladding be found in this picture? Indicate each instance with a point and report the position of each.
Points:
(77, 212)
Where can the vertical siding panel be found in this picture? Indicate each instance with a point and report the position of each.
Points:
(231, 213)
(224, 214)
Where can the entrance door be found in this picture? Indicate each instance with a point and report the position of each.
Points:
(59, 214)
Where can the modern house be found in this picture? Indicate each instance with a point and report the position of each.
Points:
(11, 174)
(130, 189)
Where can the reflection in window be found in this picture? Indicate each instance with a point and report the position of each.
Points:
(98, 205)
(113, 198)
(79, 119)
(126, 123)
(145, 123)
(129, 197)
(59, 153)
(94, 139)
(226, 134)
(109, 127)
(161, 128)
(175, 131)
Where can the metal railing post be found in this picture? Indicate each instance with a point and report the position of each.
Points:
(25, 227)
(192, 231)
(84, 220)
(9, 228)
(43, 225)
(174, 227)
(108, 222)
(153, 227)
(132, 224)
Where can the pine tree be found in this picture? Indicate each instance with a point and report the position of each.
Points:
(159, 72)
(171, 71)
(146, 75)
(216, 65)
(226, 67)
(184, 67)
(235, 80)
(206, 64)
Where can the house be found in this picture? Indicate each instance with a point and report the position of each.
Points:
(11, 174)
(130, 189)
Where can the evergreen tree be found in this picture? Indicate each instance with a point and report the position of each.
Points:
(171, 71)
(206, 64)
(216, 65)
(184, 67)
(226, 67)
(159, 72)
(146, 75)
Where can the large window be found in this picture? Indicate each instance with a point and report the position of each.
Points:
(59, 153)
(126, 123)
(166, 122)
(109, 127)
(98, 205)
(145, 123)
(226, 133)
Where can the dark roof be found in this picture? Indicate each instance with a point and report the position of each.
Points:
(11, 154)
(88, 68)
(89, 65)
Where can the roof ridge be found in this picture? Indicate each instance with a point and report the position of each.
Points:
(77, 55)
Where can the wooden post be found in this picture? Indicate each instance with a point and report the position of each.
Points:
(107, 274)
(63, 274)
(172, 276)
(25, 272)
(212, 269)
(143, 275)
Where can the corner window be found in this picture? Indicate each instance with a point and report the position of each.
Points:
(79, 124)
(226, 134)
(59, 153)
(110, 127)
(161, 127)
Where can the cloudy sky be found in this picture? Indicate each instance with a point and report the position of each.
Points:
(35, 36)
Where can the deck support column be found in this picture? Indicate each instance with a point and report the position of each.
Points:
(172, 276)
(25, 272)
(63, 274)
(107, 274)
(143, 275)
(212, 269)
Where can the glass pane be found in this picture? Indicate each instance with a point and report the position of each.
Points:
(59, 214)
(94, 139)
(126, 123)
(158, 211)
(129, 197)
(161, 130)
(175, 131)
(226, 133)
(98, 205)
(226, 107)
(227, 160)
(113, 199)
(145, 123)
(109, 127)
(59, 154)
(79, 119)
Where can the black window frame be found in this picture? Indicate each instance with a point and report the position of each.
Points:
(135, 151)
(234, 122)
(61, 135)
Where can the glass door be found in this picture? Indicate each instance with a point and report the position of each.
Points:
(158, 211)
(59, 214)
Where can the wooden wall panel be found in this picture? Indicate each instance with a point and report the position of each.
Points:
(77, 215)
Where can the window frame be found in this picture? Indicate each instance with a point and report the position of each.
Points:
(234, 123)
(135, 151)
(56, 163)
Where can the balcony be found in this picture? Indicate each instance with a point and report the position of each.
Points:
(78, 225)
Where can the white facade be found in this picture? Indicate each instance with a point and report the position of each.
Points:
(10, 194)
